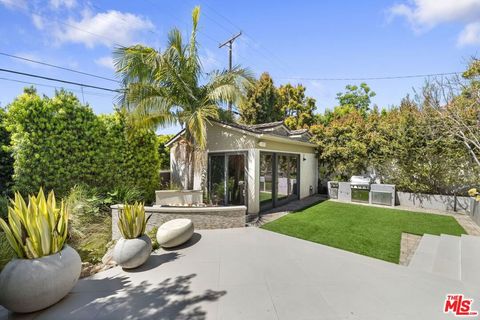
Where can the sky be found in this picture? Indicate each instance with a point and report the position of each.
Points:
(300, 41)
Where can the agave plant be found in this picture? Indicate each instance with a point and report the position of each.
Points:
(132, 220)
(37, 229)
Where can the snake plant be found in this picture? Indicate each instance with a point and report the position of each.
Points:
(132, 220)
(37, 229)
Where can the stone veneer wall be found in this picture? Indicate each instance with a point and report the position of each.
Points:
(202, 217)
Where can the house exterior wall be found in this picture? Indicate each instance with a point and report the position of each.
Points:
(224, 139)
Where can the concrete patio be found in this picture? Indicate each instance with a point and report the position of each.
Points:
(250, 273)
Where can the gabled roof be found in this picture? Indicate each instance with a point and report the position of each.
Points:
(274, 129)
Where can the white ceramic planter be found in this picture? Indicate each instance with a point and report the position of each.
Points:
(28, 285)
(132, 253)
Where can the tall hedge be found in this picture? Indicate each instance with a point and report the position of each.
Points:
(6, 159)
(58, 143)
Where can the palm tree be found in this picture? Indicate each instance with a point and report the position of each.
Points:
(163, 88)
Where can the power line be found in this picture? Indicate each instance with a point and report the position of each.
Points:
(59, 80)
(58, 67)
(373, 78)
(56, 87)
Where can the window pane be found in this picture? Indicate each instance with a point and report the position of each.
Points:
(217, 179)
(282, 177)
(236, 179)
(292, 181)
(266, 179)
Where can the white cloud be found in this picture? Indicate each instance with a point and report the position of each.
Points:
(14, 4)
(37, 21)
(424, 15)
(57, 4)
(106, 62)
(108, 29)
(470, 35)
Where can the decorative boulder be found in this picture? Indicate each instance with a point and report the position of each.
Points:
(28, 285)
(132, 253)
(174, 232)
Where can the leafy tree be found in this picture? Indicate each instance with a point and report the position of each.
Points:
(342, 146)
(357, 97)
(6, 159)
(167, 87)
(297, 109)
(164, 151)
(260, 104)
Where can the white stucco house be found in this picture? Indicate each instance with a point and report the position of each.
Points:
(259, 166)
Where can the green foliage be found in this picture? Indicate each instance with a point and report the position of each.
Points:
(260, 104)
(4, 207)
(164, 151)
(342, 145)
(152, 234)
(169, 87)
(357, 97)
(132, 220)
(90, 227)
(58, 143)
(296, 107)
(37, 229)
(6, 159)
(265, 103)
(6, 251)
(411, 146)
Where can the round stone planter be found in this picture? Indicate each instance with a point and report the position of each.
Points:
(175, 232)
(132, 253)
(28, 285)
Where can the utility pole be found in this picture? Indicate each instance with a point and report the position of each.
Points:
(229, 44)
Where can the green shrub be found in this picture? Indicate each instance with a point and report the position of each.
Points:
(3, 207)
(90, 228)
(152, 234)
(6, 159)
(6, 252)
(59, 143)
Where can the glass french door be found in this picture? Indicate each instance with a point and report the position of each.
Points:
(287, 178)
(266, 180)
(227, 180)
(278, 179)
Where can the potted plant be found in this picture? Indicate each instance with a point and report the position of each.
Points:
(475, 204)
(46, 268)
(134, 247)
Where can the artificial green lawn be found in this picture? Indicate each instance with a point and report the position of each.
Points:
(371, 231)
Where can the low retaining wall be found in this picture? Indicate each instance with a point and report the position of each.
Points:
(434, 202)
(202, 217)
(178, 197)
(475, 211)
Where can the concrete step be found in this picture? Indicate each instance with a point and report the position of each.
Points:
(447, 259)
(470, 260)
(425, 253)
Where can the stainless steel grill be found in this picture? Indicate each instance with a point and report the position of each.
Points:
(360, 189)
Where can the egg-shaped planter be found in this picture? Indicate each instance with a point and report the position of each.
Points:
(28, 285)
(132, 253)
